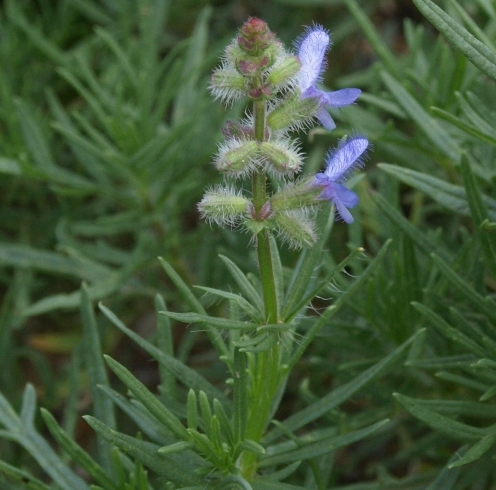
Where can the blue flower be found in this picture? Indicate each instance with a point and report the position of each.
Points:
(339, 163)
(312, 48)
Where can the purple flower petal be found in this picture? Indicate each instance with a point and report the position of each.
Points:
(345, 196)
(343, 97)
(325, 119)
(345, 157)
(311, 52)
(343, 212)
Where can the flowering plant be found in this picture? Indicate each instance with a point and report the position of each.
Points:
(283, 89)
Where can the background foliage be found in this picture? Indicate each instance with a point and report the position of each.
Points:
(107, 132)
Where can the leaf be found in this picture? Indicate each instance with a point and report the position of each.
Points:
(370, 32)
(96, 291)
(339, 395)
(331, 310)
(195, 305)
(476, 451)
(479, 54)
(77, 453)
(40, 450)
(9, 166)
(303, 275)
(423, 242)
(479, 215)
(464, 126)
(448, 331)
(213, 321)
(314, 449)
(438, 422)
(190, 377)
(172, 468)
(28, 481)
(482, 304)
(311, 293)
(240, 395)
(146, 422)
(247, 307)
(103, 408)
(243, 283)
(24, 256)
(453, 197)
(152, 404)
(430, 127)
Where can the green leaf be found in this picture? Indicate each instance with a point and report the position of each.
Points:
(479, 215)
(170, 466)
(314, 449)
(240, 394)
(243, 283)
(430, 127)
(9, 166)
(438, 422)
(370, 32)
(479, 54)
(103, 408)
(96, 291)
(446, 479)
(314, 291)
(78, 454)
(303, 275)
(451, 196)
(24, 256)
(464, 126)
(213, 321)
(255, 314)
(476, 451)
(28, 481)
(148, 424)
(423, 242)
(152, 404)
(483, 304)
(40, 450)
(195, 305)
(341, 394)
(332, 310)
(448, 331)
(189, 377)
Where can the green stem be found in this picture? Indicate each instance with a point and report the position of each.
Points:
(265, 368)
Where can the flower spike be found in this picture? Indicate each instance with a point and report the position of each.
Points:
(312, 48)
(339, 163)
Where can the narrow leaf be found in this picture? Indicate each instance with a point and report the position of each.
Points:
(479, 54)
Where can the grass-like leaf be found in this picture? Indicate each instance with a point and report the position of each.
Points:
(439, 422)
(184, 374)
(314, 449)
(173, 468)
(339, 395)
(480, 55)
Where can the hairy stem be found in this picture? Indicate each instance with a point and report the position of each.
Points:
(265, 368)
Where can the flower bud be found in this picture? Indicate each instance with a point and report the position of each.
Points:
(223, 205)
(296, 229)
(284, 72)
(227, 84)
(281, 156)
(292, 112)
(255, 36)
(303, 195)
(237, 157)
